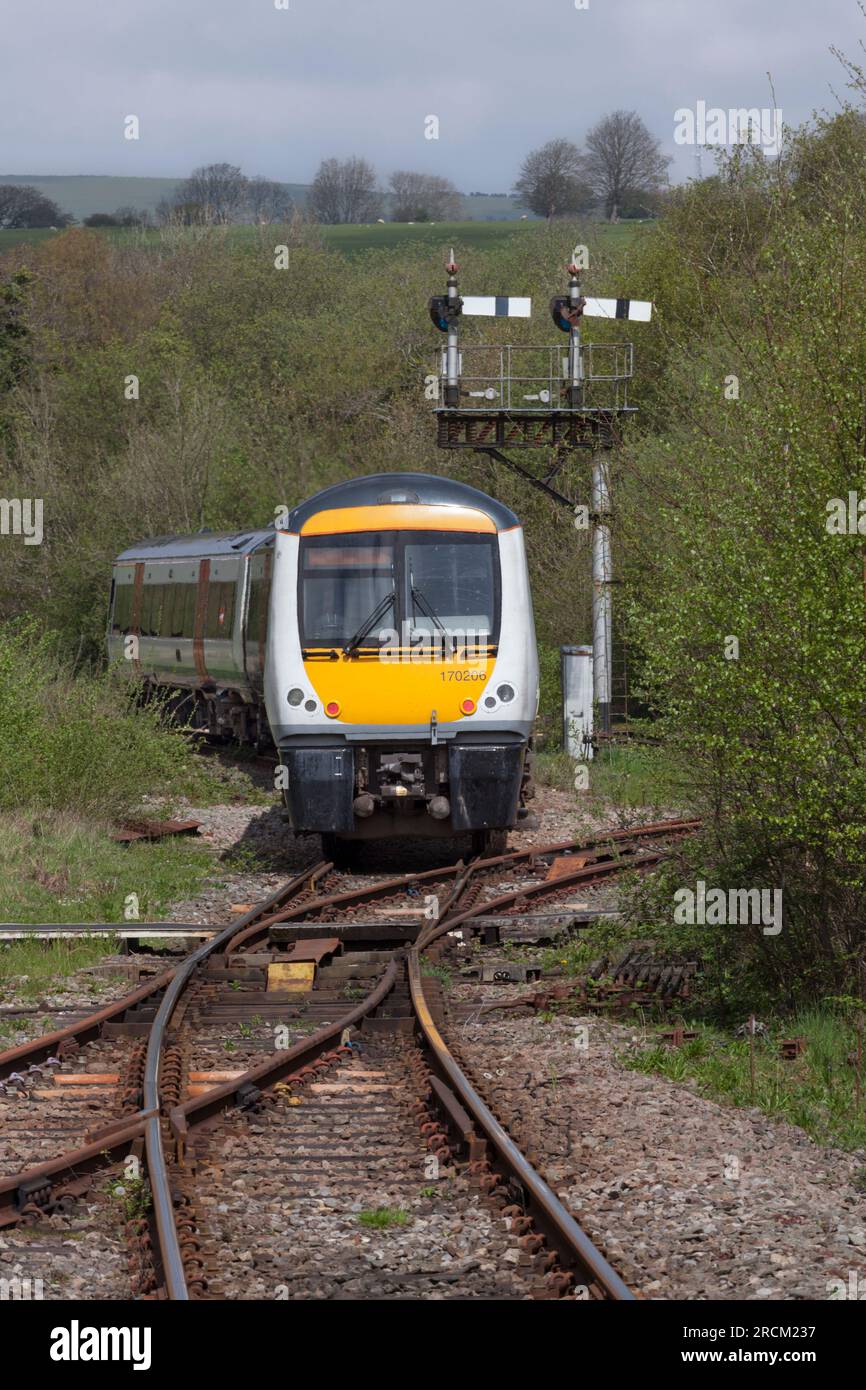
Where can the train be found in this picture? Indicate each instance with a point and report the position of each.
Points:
(379, 635)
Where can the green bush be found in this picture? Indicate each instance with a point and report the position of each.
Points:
(77, 742)
(258, 387)
(549, 726)
(750, 615)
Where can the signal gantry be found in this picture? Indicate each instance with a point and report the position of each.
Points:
(525, 396)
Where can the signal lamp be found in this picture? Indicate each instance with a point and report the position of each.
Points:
(332, 709)
(468, 706)
(401, 496)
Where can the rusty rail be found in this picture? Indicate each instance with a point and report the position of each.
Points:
(157, 1168)
(573, 1246)
(107, 1143)
(565, 1236)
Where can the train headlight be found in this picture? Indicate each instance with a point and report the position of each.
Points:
(295, 696)
(310, 706)
(467, 706)
(332, 709)
(490, 702)
(505, 693)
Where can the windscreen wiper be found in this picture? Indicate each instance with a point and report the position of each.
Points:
(420, 601)
(378, 613)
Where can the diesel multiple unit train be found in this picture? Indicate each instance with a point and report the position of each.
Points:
(381, 637)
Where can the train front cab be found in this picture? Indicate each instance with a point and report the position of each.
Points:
(406, 668)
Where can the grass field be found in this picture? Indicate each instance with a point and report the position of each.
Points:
(350, 240)
(816, 1091)
(628, 776)
(72, 871)
(31, 238)
(353, 239)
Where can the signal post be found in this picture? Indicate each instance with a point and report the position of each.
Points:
(519, 397)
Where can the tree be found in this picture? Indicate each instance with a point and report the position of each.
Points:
(745, 596)
(345, 191)
(423, 198)
(219, 190)
(13, 329)
(170, 212)
(550, 181)
(820, 164)
(132, 217)
(623, 161)
(269, 201)
(22, 205)
(121, 217)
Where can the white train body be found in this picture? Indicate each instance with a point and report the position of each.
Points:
(386, 630)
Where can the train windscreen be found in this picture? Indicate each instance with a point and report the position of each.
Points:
(356, 590)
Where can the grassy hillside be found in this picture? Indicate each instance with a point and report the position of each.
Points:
(258, 386)
(476, 234)
(351, 240)
(24, 237)
(82, 194)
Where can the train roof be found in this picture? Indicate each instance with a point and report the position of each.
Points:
(202, 543)
(385, 488)
(377, 489)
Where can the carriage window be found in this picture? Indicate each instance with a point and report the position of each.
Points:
(345, 580)
(257, 617)
(121, 620)
(190, 598)
(166, 628)
(151, 609)
(220, 610)
(160, 594)
(174, 611)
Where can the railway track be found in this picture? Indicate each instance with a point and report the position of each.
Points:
(288, 1087)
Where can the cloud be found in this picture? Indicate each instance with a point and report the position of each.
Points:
(277, 90)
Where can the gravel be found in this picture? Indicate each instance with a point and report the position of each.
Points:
(687, 1198)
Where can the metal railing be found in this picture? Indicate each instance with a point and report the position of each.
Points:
(525, 379)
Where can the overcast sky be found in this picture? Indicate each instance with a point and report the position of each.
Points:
(276, 90)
